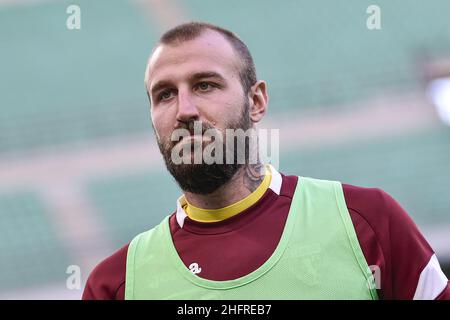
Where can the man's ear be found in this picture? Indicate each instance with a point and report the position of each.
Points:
(259, 100)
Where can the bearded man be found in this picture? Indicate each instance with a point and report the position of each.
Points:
(241, 229)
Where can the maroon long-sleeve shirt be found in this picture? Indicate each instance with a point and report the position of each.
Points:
(391, 243)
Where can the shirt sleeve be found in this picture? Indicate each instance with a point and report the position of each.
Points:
(405, 265)
(107, 280)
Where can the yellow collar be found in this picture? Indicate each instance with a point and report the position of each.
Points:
(214, 215)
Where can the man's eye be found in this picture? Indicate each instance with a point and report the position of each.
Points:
(165, 95)
(204, 86)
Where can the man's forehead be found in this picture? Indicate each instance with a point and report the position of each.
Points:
(210, 50)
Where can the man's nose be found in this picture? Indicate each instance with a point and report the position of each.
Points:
(187, 110)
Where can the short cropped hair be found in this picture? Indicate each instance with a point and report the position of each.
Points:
(192, 30)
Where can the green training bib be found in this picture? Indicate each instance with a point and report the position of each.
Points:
(317, 257)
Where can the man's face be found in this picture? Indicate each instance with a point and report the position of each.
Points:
(196, 80)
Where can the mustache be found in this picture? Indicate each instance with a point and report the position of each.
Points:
(190, 126)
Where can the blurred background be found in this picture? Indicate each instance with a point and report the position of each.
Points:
(80, 172)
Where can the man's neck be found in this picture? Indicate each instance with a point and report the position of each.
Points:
(243, 183)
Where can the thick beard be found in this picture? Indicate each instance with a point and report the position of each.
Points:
(206, 178)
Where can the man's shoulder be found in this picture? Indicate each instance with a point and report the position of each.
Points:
(392, 224)
(367, 193)
(108, 277)
(367, 201)
(375, 205)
